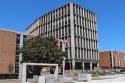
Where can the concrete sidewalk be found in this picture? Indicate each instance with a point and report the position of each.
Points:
(10, 81)
(112, 79)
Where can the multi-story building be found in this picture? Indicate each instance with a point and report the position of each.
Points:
(75, 24)
(10, 43)
(112, 60)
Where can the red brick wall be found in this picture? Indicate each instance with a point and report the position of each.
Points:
(104, 60)
(118, 57)
(7, 50)
(122, 63)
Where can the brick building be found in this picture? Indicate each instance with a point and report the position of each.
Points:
(10, 42)
(112, 60)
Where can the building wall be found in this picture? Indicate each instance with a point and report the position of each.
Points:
(7, 50)
(116, 59)
(122, 61)
(104, 60)
(33, 29)
(85, 34)
(73, 23)
(112, 60)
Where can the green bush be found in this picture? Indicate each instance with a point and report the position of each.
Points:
(10, 69)
(94, 74)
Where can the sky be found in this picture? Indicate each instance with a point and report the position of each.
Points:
(17, 15)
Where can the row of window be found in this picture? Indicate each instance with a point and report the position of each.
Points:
(65, 30)
(83, 12)
(65, 20)
(17, 53)
(58, 33)
(83, 53)
(62, 22)
(55, 24)
(17, 65)
(86, 43)
(84, 22)
(86, 54)
(84, 32)
(60, 12)
(18, 41)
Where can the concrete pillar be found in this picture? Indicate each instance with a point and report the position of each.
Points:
(63, 46)
(41, 79)
(20, 57)
(73, 64)
(91, 66)
(112, 60)
(83, 66)
(98, 67)
(56, 72)
(72, 36)
(63, 66)
(24, 73)
(20, 66)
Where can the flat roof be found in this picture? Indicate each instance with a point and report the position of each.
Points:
(54, 10)
(3, 29)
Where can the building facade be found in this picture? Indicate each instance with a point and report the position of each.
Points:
(112, 60)
(76, 25)
(10, 43)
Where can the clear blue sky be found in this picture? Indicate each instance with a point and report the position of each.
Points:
(18, 14)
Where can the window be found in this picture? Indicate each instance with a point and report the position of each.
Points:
(59, 32)
(79, 53)
(81, 42)
(56, 33)
(78, 65)
(75, 29)
(53, 14)
(17, 40)
(74, 8)
(79, 10)
(68, 9)
(69, 21)
(17, 58)
(66, 30)
(65, 10)
(18, 35)
(69, 29)
(62, 31)
(78, 31)
(78, 42)
(59, 12)
(65, 22)
(62, 11)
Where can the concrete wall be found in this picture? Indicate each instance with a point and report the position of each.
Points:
(33, 30)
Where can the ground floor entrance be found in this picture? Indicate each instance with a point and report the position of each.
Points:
(81, 65)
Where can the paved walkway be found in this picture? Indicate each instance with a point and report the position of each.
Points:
(116, 79)
(113, 80)
(10, 81)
